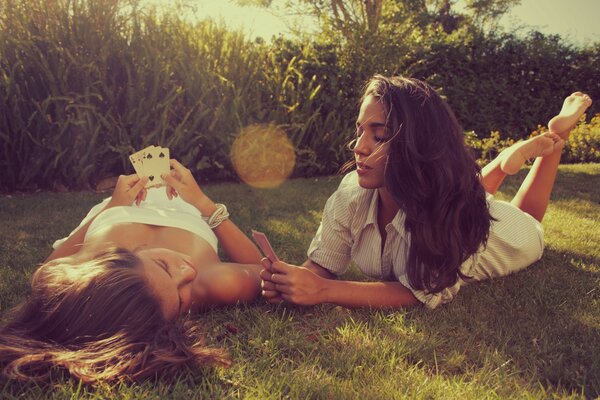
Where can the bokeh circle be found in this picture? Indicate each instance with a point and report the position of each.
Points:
(263, 156)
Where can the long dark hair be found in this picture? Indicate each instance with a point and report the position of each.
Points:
(434, 179)
(97, 321)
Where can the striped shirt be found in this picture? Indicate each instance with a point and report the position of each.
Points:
(349, 232)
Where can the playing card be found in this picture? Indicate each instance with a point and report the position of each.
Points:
(153, 161)
(137, 162)
(262, 242)
(151, 167)
(163, 163)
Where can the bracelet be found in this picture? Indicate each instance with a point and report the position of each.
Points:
(217, 217)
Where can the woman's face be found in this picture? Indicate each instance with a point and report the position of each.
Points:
(170, 275)
(370, 150)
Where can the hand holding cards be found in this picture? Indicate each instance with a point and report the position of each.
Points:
(153, 161)
(262, 242)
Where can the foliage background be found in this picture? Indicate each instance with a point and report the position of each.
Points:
(85, 83)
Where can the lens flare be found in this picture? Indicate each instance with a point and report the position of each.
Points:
(263, 156)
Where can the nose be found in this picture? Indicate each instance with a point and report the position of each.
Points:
(360, 146)
(186, 274)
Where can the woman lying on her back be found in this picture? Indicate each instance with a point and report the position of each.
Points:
(105, 304)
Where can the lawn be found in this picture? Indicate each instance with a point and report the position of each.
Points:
(534, 334)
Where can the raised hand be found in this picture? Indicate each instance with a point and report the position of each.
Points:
(181, 182)
(129, 188)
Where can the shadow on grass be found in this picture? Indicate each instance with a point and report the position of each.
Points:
(543, 320)
(539, 325)
(537, 332)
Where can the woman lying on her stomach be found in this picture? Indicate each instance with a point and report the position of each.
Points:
(105, 305)
(418, 214)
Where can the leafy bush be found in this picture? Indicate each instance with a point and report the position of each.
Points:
(84, 83)
(487, 148)
(584, 142)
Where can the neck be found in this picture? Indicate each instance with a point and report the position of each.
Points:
(387, 204)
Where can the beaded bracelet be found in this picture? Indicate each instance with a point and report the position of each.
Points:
(217, 217)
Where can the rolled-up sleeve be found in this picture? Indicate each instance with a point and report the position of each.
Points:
(431, 301)
(331, 247)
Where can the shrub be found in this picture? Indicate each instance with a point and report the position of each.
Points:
(584, 143)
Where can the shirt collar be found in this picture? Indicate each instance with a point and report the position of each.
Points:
(397, 222)
(372, 213)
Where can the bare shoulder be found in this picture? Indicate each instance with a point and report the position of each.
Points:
(229, 283)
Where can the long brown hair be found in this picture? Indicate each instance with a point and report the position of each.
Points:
(434, 179)
(98, 321)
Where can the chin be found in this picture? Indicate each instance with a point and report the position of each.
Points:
(366, 183)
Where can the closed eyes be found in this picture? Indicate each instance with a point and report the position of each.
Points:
(163, 264)
(360, 130)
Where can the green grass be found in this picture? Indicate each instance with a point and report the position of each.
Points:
(534, 334)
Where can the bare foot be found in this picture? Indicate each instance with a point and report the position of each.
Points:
(513, 158)
(573, 107)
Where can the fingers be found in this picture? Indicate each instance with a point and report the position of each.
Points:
(171, 181)
(272, 291)
(280, 267)
(266, 263)
(139, 185)
(275, 300)
(270, 294)
(283, 289)
(177, 166)
(269, 279)
(141, 196)
(267, 286)
(171, 192)
(138, 188)
(265, 275)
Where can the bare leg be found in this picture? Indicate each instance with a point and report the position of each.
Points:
(514, 157)
(510, 160)
(492, 176)
(534, 194)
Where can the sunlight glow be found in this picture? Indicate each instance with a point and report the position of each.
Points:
(253, 21)
(263, 156)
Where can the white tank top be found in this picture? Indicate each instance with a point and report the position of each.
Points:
(157, 210)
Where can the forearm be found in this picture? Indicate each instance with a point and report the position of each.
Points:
(367, 294)
(317, 269)
(233, 241)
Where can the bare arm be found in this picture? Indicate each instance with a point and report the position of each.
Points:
(312, 284)
(235, 243)
(129, 188)
(367, 294)
(229, 283)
